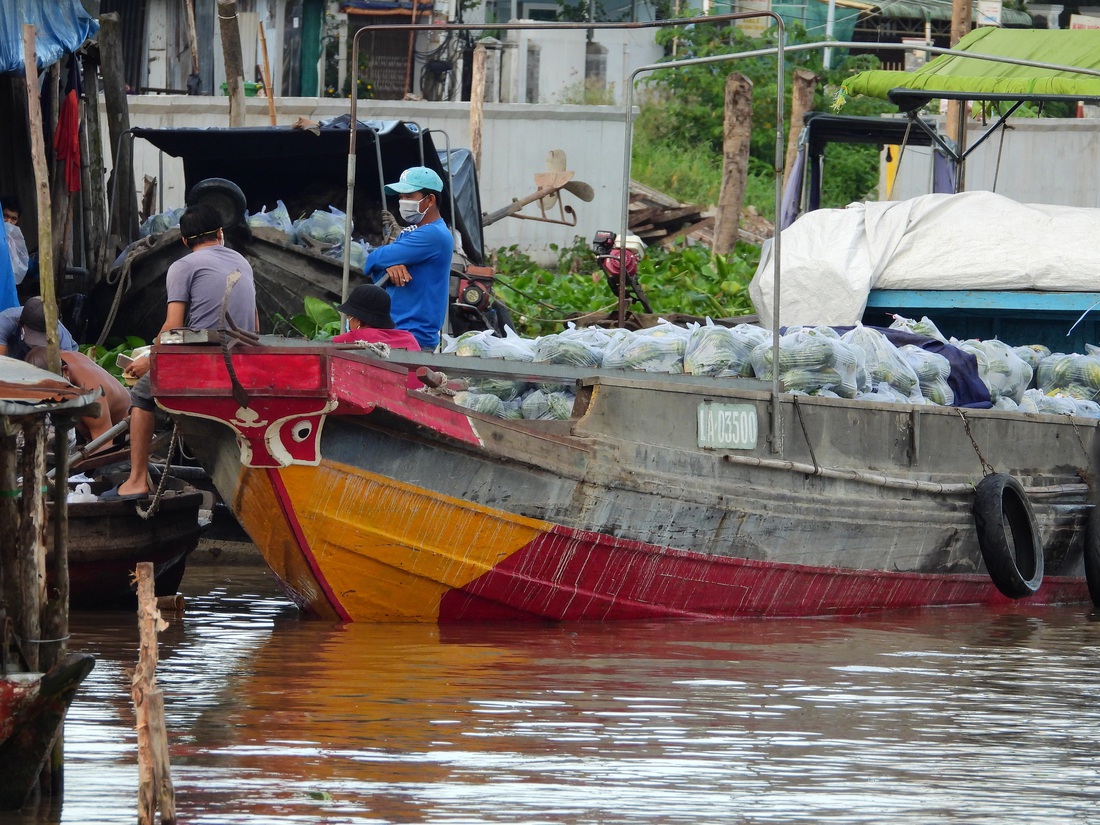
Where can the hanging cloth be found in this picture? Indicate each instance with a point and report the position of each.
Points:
(66, 140)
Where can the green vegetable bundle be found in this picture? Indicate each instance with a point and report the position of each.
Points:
(1076, 375)
(883, 362)
(1000, 368)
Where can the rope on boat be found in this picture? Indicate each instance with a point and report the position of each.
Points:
(881, 480)
(154, 505)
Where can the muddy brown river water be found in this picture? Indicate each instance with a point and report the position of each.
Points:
(960, 716)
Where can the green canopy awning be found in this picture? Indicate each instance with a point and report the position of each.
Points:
(952, 76)
(928, 10)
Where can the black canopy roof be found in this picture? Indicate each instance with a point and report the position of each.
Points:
(307, 169)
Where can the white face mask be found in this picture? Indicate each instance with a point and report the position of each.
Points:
(410, 211)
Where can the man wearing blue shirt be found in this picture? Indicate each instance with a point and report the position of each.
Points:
(418, 263)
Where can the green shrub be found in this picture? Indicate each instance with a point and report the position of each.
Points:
(685, 279)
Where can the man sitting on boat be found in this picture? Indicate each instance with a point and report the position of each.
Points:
(417, 266)
(22, 328)
(196, 286)
(81, 371)
(368, 311)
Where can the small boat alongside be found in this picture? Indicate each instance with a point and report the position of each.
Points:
(108, 538)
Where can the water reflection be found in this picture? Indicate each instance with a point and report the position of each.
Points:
(947, 715)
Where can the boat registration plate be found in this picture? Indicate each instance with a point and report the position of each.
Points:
(727, 426)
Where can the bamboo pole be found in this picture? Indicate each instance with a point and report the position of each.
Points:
(42, 187)
(477, 102)
(155, 790)
(269, 93)
(231, 52)
(737, 133)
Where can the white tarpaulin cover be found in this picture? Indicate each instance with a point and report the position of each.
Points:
(832, 258)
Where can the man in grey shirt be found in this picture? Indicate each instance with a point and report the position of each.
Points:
(196, 288)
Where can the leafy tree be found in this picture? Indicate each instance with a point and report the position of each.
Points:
(684, 111)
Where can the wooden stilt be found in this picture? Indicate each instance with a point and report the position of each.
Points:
(155, 790)
(231, 49)
(735, 162)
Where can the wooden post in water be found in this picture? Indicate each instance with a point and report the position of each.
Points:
(802, 100)
(736, 134)
(477, 102)
(31, 540)
(55, 610)
(10, 560)
(231, 50)
(155, 789)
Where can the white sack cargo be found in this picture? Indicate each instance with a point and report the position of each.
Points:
(832, 258)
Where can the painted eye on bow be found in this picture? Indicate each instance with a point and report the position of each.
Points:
(301, 431)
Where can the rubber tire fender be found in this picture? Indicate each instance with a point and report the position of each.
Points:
(1007, 536)
(224, 195)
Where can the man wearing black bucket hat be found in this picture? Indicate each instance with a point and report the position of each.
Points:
(24, 327)
(368, 311)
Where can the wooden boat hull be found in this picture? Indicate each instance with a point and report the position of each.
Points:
(32, 709)
(108, 538)
(373, 502)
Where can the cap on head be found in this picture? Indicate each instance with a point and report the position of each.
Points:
(33, 321)
(370, 304)
(416, 179)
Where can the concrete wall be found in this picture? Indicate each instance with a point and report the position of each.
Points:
(1053, 160)
(515, 143)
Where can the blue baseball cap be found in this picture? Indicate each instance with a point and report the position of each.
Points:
(416, 179)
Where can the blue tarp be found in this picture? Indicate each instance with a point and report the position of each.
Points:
(62, 27)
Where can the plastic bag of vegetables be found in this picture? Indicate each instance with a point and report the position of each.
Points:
(923, 327)
(502, 388)
(539, 405)
(932, 371)
(712, 349)
(1075, 374)
(887, 394)
(358, 257)
(277, 218)
(564, 348)
(1032, 354)
(485, 344)
(1000, 369)
(657, 349)
(472, 343)
(883, 362)
(162, 222)
(810, 358)
(1058, 403)
(480, 402)
(321, 228)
